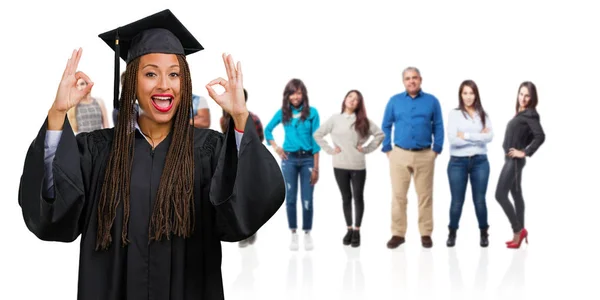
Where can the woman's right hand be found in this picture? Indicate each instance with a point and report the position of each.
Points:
(68, 95)
(337, 150)
(281, 153)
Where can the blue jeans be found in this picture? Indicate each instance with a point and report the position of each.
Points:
(298, 165)
(460, 170)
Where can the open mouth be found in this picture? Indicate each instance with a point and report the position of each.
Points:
(162, 103)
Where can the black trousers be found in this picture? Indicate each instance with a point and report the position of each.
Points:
(510, 181)
(352, 182)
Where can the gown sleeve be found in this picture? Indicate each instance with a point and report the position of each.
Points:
(52, 200)
(247, 187)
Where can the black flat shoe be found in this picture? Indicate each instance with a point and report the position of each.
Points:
(348, 237)
(355, 238)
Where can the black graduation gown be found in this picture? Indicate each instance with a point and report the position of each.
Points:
(233, 197)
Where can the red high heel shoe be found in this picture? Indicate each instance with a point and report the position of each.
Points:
(522, 235)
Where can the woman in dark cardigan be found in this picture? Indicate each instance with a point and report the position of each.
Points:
(524, 135)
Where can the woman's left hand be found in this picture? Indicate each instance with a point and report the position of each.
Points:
(232, 100)
(516, 153)
(314, 177)
(360, 148)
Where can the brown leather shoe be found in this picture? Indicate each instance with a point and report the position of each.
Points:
(395, 241)
(426, 241)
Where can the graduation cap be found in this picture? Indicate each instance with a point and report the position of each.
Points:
(161, 32)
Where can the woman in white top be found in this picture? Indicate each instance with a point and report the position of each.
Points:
(469, 131)
(349, 131)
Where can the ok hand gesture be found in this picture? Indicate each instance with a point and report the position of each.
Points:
(232, 100)
(68, 95)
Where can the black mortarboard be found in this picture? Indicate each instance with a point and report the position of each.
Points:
(159, 33)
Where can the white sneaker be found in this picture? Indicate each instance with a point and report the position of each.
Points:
(308, 242)
(294, 245)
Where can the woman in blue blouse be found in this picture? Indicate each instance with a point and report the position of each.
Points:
(469, 130)
(299, 155)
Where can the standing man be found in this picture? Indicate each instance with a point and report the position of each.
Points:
(418, 139)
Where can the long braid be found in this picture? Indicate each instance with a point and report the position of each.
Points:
(174, 208)
(117, 178)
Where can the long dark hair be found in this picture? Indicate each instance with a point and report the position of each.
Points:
(290, 88)
(476, 103)
(361, 125)
(174, 207)
(533, 96)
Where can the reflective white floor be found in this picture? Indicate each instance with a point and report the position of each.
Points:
(561, 259)
(409, 272)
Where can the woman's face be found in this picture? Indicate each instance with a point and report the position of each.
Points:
(158, 86)
(296, 98)
(524, 97)
(468, 96)
(351, 102)
(81, 84)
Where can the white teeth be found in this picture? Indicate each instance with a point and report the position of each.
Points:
(162, 101)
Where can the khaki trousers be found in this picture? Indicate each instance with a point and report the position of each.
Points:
(403, 165)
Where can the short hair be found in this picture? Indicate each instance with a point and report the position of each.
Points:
(245, 95)
(411, 69)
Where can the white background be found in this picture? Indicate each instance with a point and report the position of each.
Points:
(335, 47)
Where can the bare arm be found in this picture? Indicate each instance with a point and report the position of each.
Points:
(72, 116)
(314, 176)
(202, 118)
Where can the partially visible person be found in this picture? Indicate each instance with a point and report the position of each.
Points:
(259, 128)
(350, 130)
(115, 113)
(523, 137)
(89, 114)
(200, 114)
